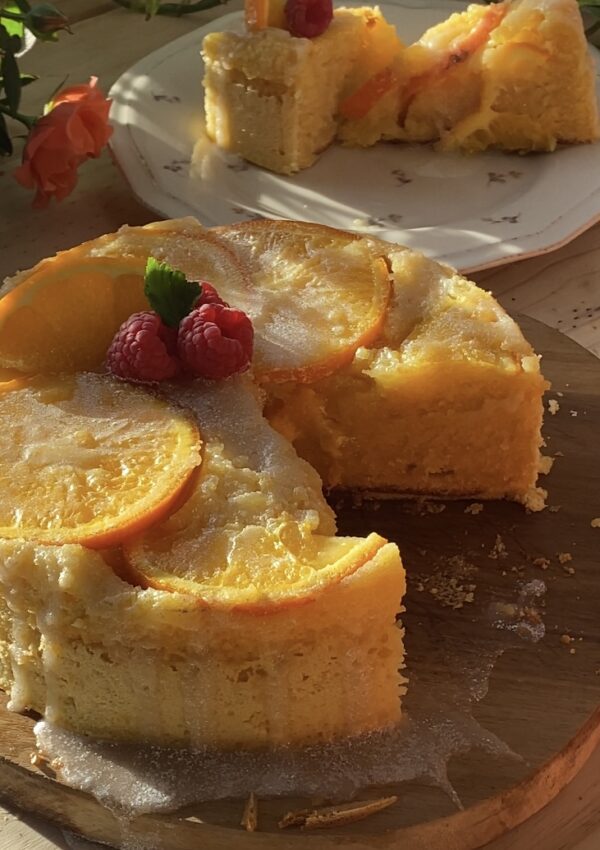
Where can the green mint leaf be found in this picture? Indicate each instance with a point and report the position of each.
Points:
(168, 292)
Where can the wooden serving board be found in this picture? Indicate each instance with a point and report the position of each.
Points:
(543, 698)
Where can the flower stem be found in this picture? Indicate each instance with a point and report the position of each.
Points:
(11, 16)
(592, 29)
(27, 120)
(177, 9)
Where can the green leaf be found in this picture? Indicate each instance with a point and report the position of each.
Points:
(8, 42)
(6, 147)
(12, 80)
(168, 292)
(179, 9)
(27, 79)
(22, 5)
(151, 8)
(12, 27)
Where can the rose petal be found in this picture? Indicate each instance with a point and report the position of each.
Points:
(75, 129)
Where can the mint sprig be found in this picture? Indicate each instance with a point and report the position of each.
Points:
(168, 292)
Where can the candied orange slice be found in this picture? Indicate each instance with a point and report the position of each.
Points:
(256, 14)
(361, 101)
(276, 14)
(254, 567)
(88, 459)
(61, 316)
(454, 54)
(317, 295)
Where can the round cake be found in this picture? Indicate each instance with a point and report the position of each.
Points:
(170, 541)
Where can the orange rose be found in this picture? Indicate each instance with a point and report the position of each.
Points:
(75, 129)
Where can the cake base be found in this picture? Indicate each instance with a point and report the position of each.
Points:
(542, 700)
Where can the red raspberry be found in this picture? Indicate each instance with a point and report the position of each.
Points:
(209, 295)
(215, 341)
(308, 18)
(143, 349)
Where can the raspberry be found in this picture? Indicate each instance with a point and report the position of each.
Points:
(209, 295)
(308, 18)
(215, 341)
(143, 350)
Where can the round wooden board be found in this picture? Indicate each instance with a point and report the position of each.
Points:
(543, 698)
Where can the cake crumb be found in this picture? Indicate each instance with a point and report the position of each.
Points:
(461, 567)
(451, 593)
(429, 507)
(250, 815)
(564, 557)
(546, 464)
(559, 394)
(531, 615)
(554, 509)
(474, 508)
(553, 406)
(38, 760)
(572, 651)
(498, 550)
(573, 412)
(330, 816)
(450, 585)
(357, 500)
(566, 639)
(558, 454)
(541, 563)
(595, 523)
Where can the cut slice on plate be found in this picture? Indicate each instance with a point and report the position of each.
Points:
(88, 459)
(323, 294)
(515, 75)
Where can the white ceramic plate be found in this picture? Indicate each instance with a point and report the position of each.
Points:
(470, 211)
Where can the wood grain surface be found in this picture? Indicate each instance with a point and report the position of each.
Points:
(543, 698)
(561, 288)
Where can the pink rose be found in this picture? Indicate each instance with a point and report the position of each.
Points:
(75, 129)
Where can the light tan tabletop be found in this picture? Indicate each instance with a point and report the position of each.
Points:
(561, 288)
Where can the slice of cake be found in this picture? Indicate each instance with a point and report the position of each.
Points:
(272, 97)
(514, 75)
(242, 636)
